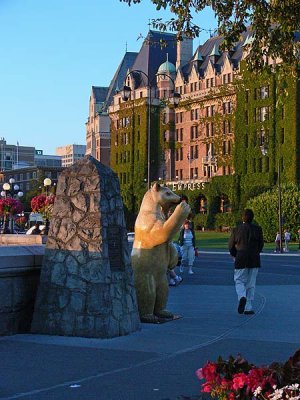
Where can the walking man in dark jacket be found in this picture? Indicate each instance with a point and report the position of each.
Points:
(245, 244)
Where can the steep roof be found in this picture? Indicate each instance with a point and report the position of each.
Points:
(153, 53)
(209, 48)
(99, 93)
(119, 76)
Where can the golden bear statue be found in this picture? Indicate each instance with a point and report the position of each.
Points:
(153, 252)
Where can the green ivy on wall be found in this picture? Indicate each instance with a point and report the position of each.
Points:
(258, 172)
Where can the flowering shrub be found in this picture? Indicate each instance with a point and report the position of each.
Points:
(43, 204)
(21, 221)
(236, 378)
(10, 206)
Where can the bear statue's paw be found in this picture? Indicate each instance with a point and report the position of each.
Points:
(164, 314)
(149, 319)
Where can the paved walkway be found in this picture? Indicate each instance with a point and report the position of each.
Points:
(159, 362)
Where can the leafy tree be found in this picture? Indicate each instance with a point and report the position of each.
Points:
(265, 208)
(275, 23)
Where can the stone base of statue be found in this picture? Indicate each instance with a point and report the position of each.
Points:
(86, 285)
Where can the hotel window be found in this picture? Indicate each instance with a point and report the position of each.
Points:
(259, 165)
(180, 174)
(177, 155)
(264, 92)
(282, 135)
(192, 115)
(264, 114)
(207, 83)
(141, 95)
(207, 130)
(191, 87)
(224, 147)
(212, 110)
(196, 152)
(176, 173)
(212, 82)
(247, 96)
(196, 172)
(267, 164)
(181, 134)
(181, 154)
(197, 113)
(246, 140)
(207, 109)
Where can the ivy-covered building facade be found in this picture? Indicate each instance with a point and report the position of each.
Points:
(231, 133)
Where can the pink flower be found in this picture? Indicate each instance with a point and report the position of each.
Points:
(206, 388)
(239, 381)
(209, 371)
(199, 374)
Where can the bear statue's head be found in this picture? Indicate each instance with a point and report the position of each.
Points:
(164, 196)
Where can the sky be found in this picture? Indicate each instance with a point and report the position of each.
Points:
(53, 51)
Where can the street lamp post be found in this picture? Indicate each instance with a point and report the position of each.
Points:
(126, 94)
(13, 191)
(47, 184)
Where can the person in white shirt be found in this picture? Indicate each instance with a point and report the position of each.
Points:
(277, 243)
(287, 238)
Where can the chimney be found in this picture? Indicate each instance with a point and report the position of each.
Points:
(184, 51)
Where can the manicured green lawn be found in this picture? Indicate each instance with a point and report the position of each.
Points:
(210, 240)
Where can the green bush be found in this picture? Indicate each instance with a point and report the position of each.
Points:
(265, 208)
(225, 220)
(200, 221)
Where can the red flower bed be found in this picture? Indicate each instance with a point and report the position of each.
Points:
(43, 204)
(10, 206)
(236, 378)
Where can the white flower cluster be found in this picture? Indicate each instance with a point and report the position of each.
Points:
(290, 392)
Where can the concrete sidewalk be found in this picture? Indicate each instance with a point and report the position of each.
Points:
(159, 362)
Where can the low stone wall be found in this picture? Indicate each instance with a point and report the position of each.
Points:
(21, 240)
(19, 277)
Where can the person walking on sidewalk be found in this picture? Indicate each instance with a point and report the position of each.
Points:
(287, 238)
(245, 245)
(277, 243)
(187, 243)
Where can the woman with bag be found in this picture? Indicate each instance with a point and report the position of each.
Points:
(187, 243)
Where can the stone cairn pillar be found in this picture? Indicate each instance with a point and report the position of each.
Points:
(86, 285)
